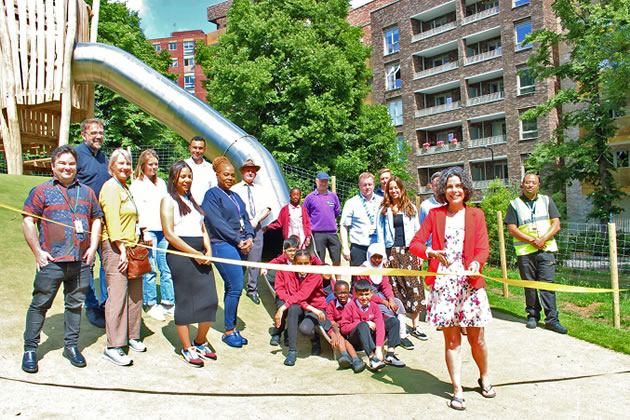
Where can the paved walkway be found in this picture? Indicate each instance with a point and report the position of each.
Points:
(535, 373)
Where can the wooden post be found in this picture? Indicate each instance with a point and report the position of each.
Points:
(614, 272)
(333, 183)
(66, 82)
(506, 292)
(418, 202)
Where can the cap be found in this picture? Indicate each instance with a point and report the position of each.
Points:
(249, 164)
(323, 176)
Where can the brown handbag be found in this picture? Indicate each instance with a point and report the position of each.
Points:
(138, 261)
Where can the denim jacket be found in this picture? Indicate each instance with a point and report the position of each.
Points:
(385, 227)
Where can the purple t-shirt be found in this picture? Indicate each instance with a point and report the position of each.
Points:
(323, 210)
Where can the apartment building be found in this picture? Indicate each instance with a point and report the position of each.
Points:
(181, 47)
(453, 75)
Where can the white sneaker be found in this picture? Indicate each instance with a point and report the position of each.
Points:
(168, 310)
(137, 345)
(156, 312)
(117, 356)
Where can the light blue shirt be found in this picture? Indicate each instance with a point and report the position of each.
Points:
(355, 217)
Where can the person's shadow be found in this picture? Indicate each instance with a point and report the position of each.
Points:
(414, 381)
(53, 328)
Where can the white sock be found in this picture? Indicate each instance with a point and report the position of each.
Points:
(403, 325)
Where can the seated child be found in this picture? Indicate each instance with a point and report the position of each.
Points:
(303, 300)
(383, 294)
(334, 311)
(362, 323)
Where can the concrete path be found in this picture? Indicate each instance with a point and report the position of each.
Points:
(535, 373)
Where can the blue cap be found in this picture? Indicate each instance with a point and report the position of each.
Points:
(323, 176)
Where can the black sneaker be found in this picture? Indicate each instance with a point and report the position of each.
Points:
(358, 365)
(275, 340)
(417, 332)
(344, 362)
(316, 347)
(556, 327)
(531, 323)
(291, 358)
(406, 344)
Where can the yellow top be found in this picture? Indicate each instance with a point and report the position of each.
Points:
(120, 212)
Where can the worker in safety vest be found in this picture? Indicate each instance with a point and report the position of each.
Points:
(533, 220)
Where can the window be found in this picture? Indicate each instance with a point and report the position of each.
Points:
(173, 63)
(400, 142)
(391, 41)
(189, 62)
(189, 47)
(498, 128)
(526, 81)
(522, 29)
(529, 128)
(444, 99)
(189, 82)
(436, 23)
(440, 61)
(520, 2)
(157, 47)
(395, 111)
(172, 46)
(392, 80)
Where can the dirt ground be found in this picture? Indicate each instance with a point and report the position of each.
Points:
(536, 373)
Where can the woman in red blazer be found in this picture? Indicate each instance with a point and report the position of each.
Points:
(293, 219)
(460, 243)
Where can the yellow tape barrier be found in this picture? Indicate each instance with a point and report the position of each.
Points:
(356, 271)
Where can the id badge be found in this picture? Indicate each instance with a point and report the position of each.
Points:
(533, 228)
(242, 225)
(78, 226)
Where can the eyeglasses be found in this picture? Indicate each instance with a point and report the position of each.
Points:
(96, 133)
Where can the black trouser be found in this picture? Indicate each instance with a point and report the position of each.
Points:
(358, 254)
(362, 337)
(275, 330)
(307, 325)
(539, 266)
(75, 277)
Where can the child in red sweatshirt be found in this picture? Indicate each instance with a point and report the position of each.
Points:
(334, 313)
(303, 300)
(383, 293)
(362, 322)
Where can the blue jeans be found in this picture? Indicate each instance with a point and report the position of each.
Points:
(91, 300)
(75, 277)
(232, 276)
(149, 286)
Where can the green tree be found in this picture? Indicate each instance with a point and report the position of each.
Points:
(497, 197)
(294, 75)
(125, 123)
(597, 34)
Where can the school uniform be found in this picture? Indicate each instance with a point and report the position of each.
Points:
(354, 326)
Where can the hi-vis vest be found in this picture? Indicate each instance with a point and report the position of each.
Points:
(536, 224)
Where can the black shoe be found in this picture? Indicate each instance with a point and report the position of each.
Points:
(358, 365)
(254, 297)
(344, 362)
(406, 344)
(316, 347)
(96, 317)
(275, 340)
(291, 358)
(29, 361)
(74, 355)
(531, 323)
(556, 327)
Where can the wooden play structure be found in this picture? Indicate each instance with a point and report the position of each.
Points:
(38, 98)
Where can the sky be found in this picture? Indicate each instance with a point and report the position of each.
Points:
(161, 17)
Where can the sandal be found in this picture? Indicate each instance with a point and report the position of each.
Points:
(458, 404)
(487, 391)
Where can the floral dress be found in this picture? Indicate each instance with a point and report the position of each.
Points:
(454, 301)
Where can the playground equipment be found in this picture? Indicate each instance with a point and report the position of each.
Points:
(90, 63)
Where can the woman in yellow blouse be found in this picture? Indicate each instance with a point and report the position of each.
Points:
(123, 311)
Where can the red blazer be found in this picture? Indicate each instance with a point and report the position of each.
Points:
(283, 222)
(308, 291)
(476, 246)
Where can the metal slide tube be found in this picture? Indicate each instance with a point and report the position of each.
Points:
(181, 111)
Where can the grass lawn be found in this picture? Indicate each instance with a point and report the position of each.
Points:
(587, 316)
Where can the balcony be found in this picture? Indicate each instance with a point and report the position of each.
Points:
(487, 141)
(432, 150)
(482, 185)
(438, 109)
(435, 70)
(483, 99)
(481, 15)
(483, 56)
(435, 31)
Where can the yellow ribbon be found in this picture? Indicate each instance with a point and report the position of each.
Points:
(355, 271)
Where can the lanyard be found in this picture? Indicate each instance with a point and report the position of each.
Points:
(76, 202)
(532, 208)
(128, 194)
(233, 201)
(365, 207)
